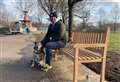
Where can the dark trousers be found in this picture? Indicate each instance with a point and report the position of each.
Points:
(49, 47)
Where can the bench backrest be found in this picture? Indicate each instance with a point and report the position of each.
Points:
(89, 37)
(92, 37)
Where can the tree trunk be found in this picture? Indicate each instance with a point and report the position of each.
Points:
(84, 24)
(70, 21)
(115, 27)
(71, 3)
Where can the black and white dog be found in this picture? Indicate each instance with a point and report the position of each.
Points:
(38, 56)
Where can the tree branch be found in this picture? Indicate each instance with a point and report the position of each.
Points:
(75, 1)
(40, 2)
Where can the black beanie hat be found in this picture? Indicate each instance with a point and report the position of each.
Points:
(53, 14)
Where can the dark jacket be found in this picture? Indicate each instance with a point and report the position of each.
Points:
(55, 33)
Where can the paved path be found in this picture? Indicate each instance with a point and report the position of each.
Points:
(15, 56)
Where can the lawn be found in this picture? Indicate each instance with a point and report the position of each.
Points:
(114, 41)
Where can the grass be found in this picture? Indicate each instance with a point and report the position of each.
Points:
(114, 41)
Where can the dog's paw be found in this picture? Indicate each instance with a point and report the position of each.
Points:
(32, 65)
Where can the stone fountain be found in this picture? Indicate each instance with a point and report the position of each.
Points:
(27, 21)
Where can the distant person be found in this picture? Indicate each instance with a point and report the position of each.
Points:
(55, 38)
(26, 29)
(17, 26)
(27, 32)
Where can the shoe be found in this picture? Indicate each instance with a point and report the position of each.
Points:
(46, 67)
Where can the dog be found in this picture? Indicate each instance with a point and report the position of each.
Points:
(38, 56)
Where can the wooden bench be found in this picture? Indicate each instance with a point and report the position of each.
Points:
(87, 47)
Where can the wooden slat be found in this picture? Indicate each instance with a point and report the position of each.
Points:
(88, 56)
(82, 36)
(84, 40)
(95, 38)
(83, 54)
(101, 38)
(92, 52)
(104, 37)
(89, 37)
(89, 61)
(98, 37)
(92, 38)
(77, 45)
(72, 38)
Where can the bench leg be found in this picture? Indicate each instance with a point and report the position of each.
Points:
(75, 72)
(57, 53)
(56, 56)
(75, 67)
(102, 76)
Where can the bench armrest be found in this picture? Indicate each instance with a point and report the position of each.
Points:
(70, 44)
(77, 45)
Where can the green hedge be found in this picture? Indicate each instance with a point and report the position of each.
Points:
(4, 30)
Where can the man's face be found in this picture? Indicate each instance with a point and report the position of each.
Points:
(53, 19)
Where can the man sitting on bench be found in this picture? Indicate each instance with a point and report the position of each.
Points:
(55, 38)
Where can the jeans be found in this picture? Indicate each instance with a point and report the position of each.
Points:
(48, 49)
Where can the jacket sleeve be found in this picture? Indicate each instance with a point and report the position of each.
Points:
(47, 37)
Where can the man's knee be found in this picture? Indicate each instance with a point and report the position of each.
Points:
(48, 45)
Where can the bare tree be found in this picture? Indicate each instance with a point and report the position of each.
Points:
(39, 17)
(4, 14)
(24, 4)
(50, 5)
(27, 5)
(60, 6)
(84, 11)
(63, 9)
(102, 17)
(115, 12)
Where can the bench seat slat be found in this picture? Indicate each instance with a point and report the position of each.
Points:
(83, 55)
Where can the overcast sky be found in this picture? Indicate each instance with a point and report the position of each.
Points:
(107, 4)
